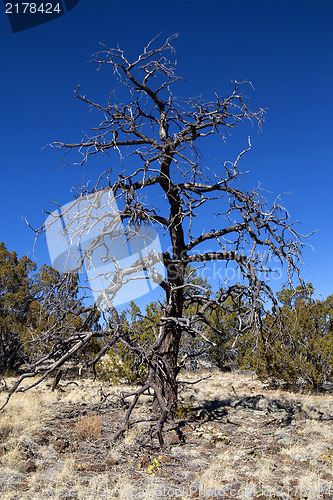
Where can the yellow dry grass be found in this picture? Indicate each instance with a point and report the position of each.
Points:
(89, 427)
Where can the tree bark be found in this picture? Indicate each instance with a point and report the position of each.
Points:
(166, 374)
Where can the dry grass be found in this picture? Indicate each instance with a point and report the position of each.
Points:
(241, 441)
(89, 427)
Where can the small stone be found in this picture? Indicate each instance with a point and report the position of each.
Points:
(210, 445)
(29, 466)
(174, 439)
(188, 428)
(97, 468)
(89, 467)
(164, 459)
(22, 486)
(110, 462)
(60, 445)
(144, 462)
(218, 437)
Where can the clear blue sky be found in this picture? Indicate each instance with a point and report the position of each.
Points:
(284, 47)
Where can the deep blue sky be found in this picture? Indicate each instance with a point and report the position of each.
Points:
(284, 48)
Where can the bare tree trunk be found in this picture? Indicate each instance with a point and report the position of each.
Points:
(166, 375)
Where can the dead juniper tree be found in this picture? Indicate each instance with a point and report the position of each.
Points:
(166, 187)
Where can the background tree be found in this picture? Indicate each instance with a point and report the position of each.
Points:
(55, 315)
(167, 185)
(39, 312)
(16, 296)
(121, 363)
(301, 354)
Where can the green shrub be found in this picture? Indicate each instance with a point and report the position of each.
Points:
(302, 354)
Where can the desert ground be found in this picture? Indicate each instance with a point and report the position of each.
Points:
(234, 438)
